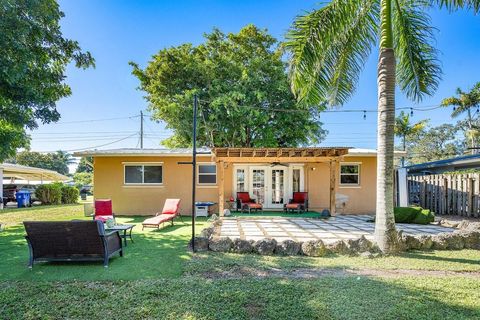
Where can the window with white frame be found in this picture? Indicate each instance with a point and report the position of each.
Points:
(350, 174)
(207, 174)
(143, 174)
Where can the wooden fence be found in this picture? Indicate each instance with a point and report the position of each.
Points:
(455, 194)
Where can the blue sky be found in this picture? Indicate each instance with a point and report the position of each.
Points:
(116, 32)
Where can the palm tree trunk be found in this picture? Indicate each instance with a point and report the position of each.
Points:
(386, 235)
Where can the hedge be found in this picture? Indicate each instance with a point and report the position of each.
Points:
(69, 194)
(415, 215)
(49, 193)
(56, 193)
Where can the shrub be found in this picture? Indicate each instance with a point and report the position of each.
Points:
(405, 214)
(415, 215)
(49, 193)
(69, 194)
(425, 216)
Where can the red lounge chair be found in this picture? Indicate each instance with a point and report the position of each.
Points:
(299, 202)
(247, 203)
(103, 210)
(169, 212)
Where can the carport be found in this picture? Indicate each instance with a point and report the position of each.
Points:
(19, 172)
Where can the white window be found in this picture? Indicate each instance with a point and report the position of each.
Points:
(207, 174)
(349, 174)
(143, 174)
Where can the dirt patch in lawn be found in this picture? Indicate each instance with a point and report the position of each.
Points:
(307, 273)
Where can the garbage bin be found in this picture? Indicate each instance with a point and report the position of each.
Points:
(23, 198)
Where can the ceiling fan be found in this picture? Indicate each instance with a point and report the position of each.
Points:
(274, 164)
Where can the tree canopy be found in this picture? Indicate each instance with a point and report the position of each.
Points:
(435, 143)
(85, 165)
(243, 90)
(33, 58)
(57, 161)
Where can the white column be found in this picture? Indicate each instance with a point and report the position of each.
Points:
(402, 187)
(1, 188)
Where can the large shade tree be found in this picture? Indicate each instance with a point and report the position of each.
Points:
(244, 95)
(33, 58)
(467, 103)
(329, 48)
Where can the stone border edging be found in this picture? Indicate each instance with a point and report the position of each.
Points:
(468, 237)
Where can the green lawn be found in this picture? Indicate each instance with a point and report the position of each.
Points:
(159, 279)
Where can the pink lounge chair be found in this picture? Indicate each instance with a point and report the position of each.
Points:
(103, 210)
(169, 212)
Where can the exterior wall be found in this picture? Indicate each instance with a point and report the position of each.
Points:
(362, 198)
(147, 200)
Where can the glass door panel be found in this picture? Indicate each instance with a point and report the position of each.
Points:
(258, 185)
(278, 186)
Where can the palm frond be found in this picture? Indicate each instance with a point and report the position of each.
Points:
(453, 5)
(418, 69)
(328, 49)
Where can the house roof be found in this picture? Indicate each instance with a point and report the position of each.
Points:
(141, 152)
(30, 173)
(467, 161)
(206, 151)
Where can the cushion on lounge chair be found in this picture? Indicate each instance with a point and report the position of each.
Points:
(103, 207)
(171, 206)
(103, 218)
(254, 205)
(159, 219)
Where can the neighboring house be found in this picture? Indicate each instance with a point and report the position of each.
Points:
(447, 165)
(139, 180)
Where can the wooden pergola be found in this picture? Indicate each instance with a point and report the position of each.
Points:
(332, 155)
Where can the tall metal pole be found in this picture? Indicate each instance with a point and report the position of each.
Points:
(141, 129)
(194, 167)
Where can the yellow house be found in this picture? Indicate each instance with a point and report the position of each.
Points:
(139, 180)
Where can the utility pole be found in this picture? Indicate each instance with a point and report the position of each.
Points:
(141, 129)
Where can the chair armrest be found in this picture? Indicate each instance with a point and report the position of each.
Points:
(112, 241)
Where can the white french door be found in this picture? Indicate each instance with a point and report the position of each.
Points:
(270, 186)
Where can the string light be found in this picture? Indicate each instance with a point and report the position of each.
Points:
(364, 114)
(411, 112)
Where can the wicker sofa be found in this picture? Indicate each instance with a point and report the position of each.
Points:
(71, 241)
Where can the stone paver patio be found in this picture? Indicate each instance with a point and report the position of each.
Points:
(304, 229)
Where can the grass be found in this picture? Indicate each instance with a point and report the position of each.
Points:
(159, 278)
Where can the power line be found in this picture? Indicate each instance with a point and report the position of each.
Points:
(98, 146)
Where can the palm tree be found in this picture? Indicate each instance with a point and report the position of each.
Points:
(328, 49)
(403, 129)
(465, 102)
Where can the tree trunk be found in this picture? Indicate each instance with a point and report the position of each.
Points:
(386, 235)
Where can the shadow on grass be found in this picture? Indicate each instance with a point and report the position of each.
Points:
(429, 255)
(153, 254)
(192, 298)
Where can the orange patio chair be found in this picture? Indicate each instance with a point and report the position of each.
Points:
(170, 210)
(299, 203)
(247, 203)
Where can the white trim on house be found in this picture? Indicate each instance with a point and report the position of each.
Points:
(143, 164)
(359, 174)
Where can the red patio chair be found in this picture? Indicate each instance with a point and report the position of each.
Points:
(247, 203)
(170, 210)
(299, 202)
(103, 210)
